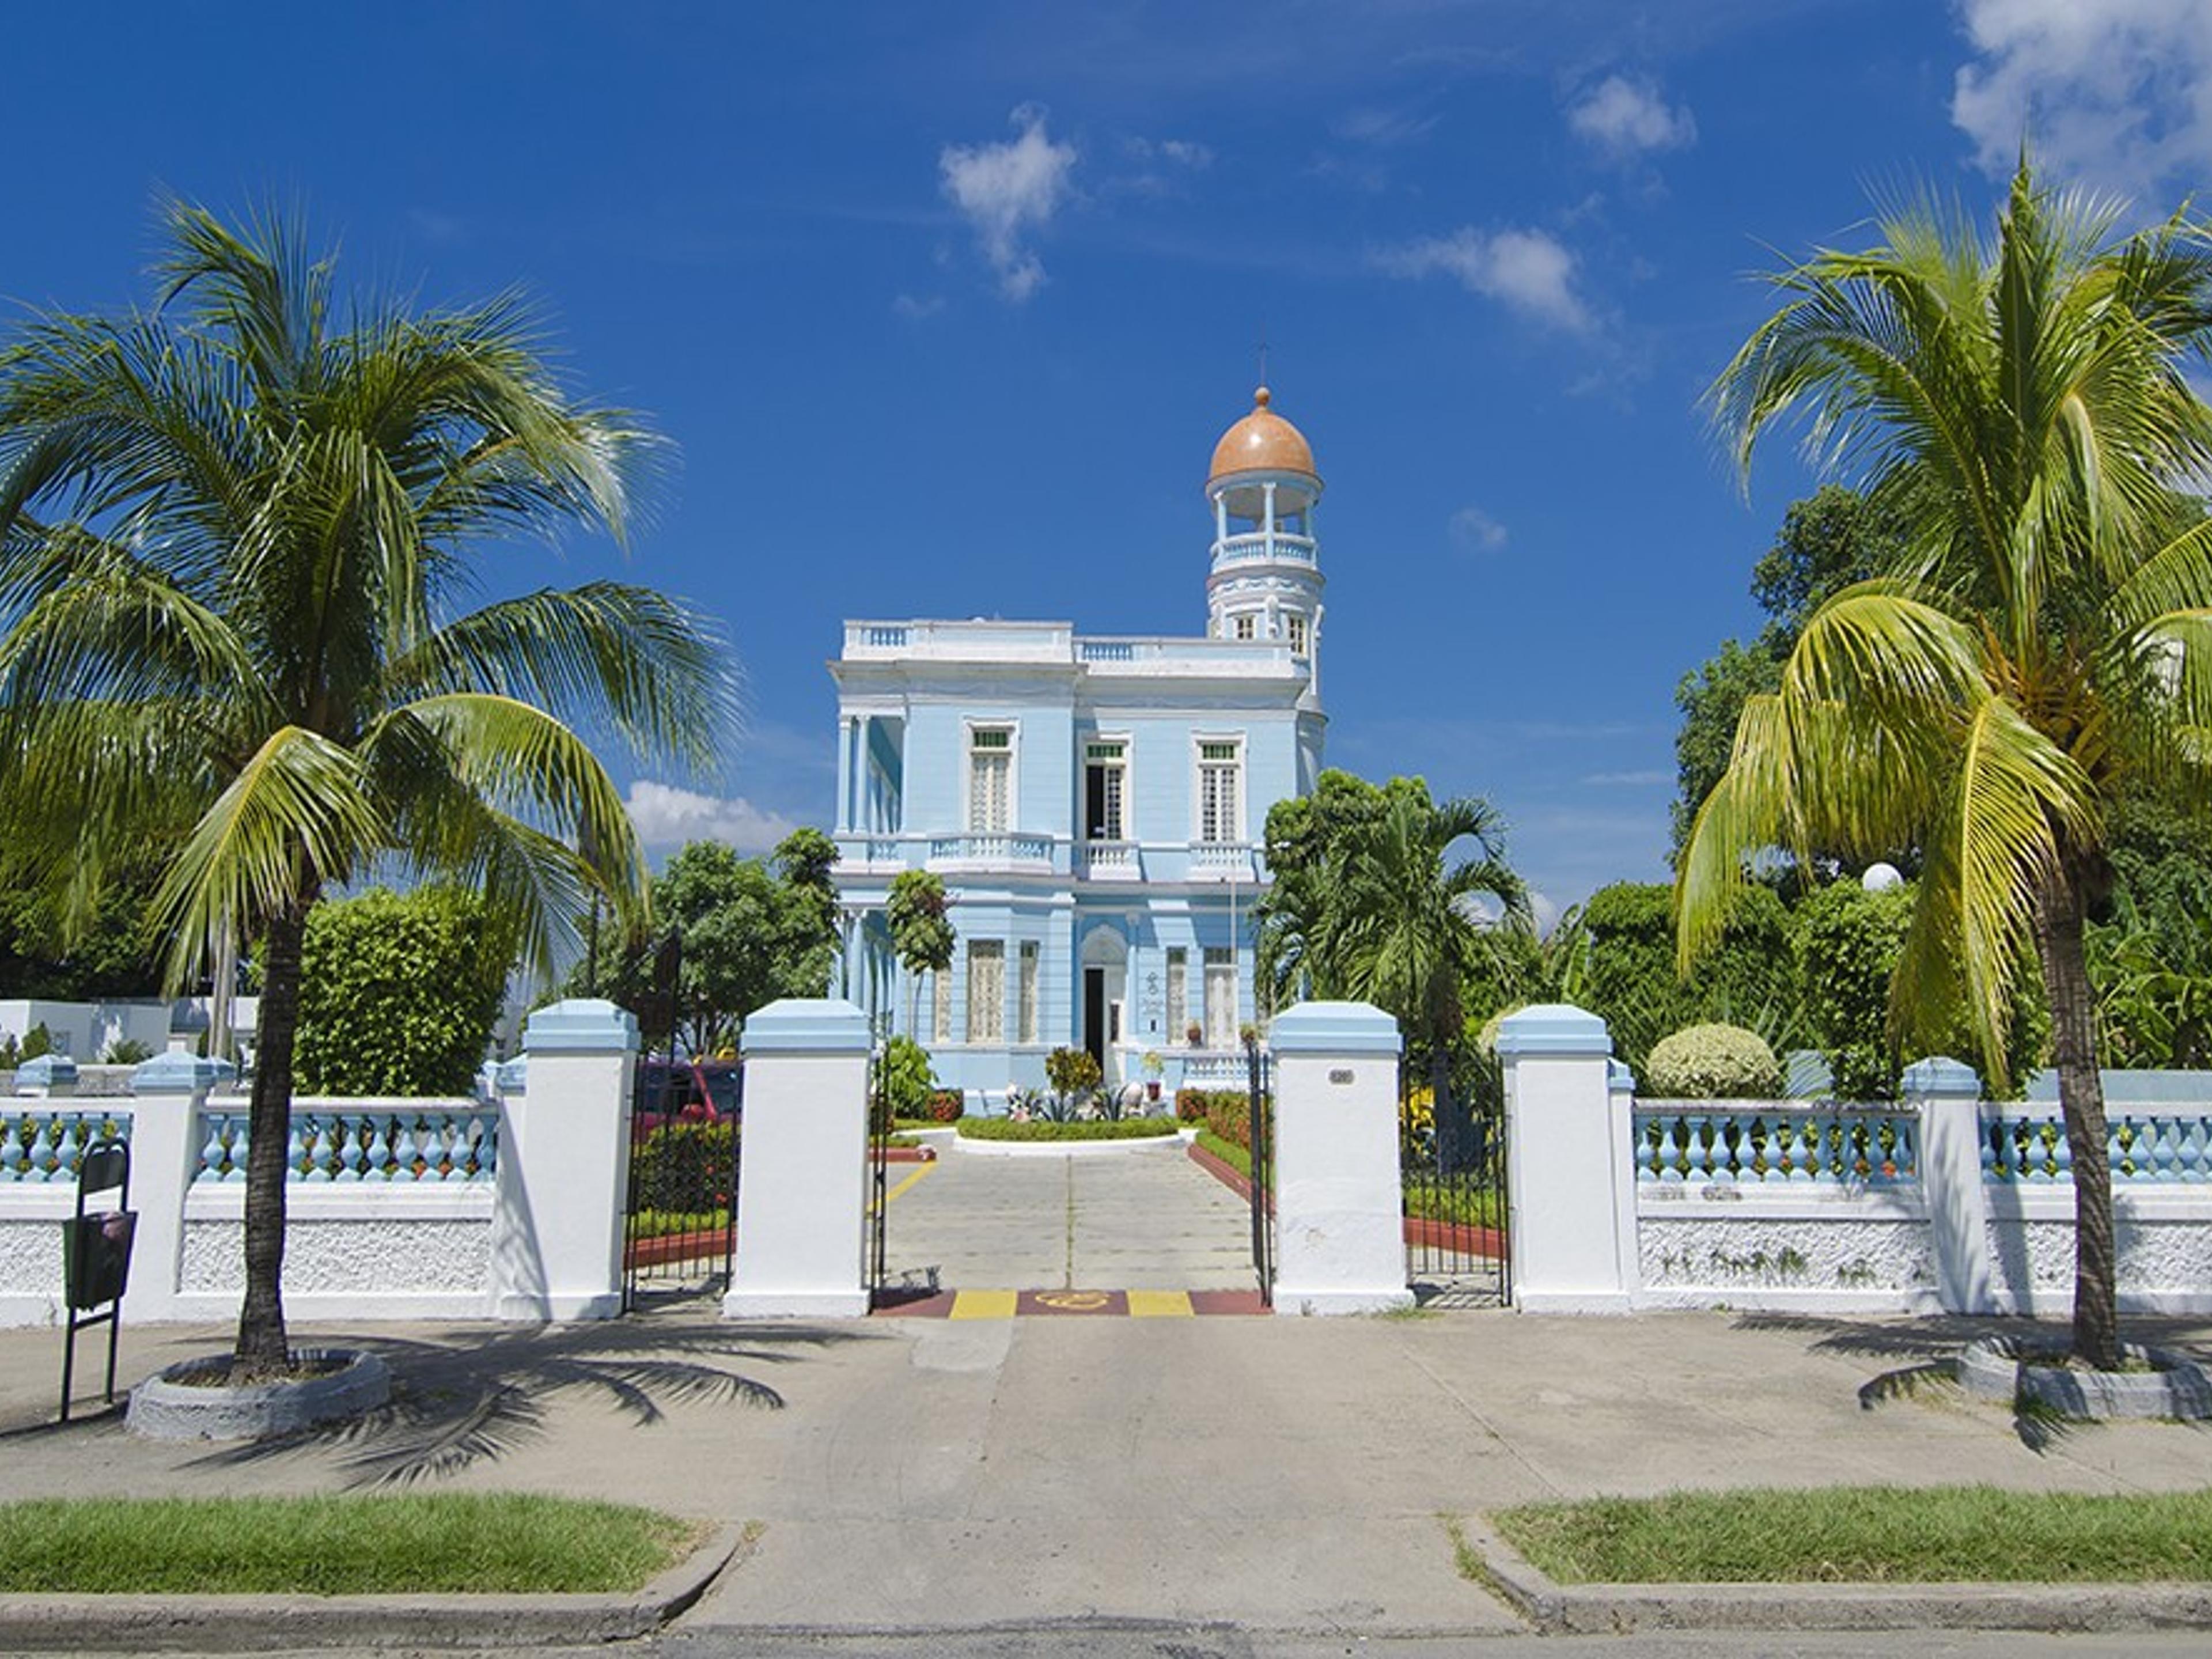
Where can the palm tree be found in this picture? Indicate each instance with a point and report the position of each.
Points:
(2044, 642)
(1368, 903)
(234, 529)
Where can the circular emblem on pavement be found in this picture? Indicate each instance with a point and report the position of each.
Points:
(1075, 1301)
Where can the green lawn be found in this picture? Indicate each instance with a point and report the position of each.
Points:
(421, 1543)
(1848, 1535)
(1238, 1158)
(1475, 1207)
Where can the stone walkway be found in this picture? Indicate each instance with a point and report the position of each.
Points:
(1124, 1218)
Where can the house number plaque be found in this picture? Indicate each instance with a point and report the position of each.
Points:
(1340, 1074)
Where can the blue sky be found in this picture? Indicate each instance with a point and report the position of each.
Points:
(944, 306)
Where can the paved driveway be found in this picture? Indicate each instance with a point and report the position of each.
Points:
(1130, 1218)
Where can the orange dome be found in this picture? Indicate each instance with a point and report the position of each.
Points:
(1263, 441)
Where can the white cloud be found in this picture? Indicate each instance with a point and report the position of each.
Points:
(1008, 190)
(1528, 269)
(1626, 117)
(668, 817)
(916, 310)
(1643, 779)
(1473, 530)
(2118, 92)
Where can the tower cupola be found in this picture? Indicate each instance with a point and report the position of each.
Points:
(1266, 581)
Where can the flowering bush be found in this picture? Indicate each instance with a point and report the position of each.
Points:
(1712, 1062)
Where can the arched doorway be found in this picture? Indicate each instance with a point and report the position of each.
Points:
(1105, 973)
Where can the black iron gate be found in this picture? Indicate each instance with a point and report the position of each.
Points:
(875, 1191)
(1452, 1171)
(1261, 1098)
(686, 1130)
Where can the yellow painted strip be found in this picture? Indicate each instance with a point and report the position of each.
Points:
(1159, 1304)
(982, 1304)
(919, 1170)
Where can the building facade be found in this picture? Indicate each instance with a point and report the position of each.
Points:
(1094, 805)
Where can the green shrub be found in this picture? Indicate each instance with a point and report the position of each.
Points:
(127, 1051)
(947, 1106)
(686, 1168)
(36, 1041)
(1712, 1062)
(1006, 1129)
(1071, 1073)
(398, 992)
(1625, 974)
(904, 1080)
(1190, 1105)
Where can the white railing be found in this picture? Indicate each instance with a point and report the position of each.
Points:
(992, 850)
(1111, 858)
(1246, 549)
(1147, 654)
(1003, 641)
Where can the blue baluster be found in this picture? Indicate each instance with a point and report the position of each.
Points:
(42, 1150)
(318, 1154)
(66, 1149)
(2061, 1152)
(241, 1133)
(294, 1153)
(376, 1158)
(2193, 1143)
(348, 1133)
(1670, 1149)
(488, 1151)
(404, 1153)
(11, 1149)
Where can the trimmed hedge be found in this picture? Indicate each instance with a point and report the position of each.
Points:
(1006, 1129)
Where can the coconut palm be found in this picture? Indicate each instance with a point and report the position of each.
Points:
(2044, 641)
(236, 532)
(1369, 903)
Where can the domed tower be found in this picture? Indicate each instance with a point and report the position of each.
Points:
(1266, 581)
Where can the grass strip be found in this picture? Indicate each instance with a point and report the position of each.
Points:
(1005, 1128)
(1867, 1534)
(1238, 1158)
(416, 1543)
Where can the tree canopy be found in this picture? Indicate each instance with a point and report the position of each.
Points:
(240, 536)
(2043, 651)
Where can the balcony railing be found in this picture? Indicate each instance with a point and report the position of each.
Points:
(996, 852)
(1222, 861)
(1243, 550)
(1110, 860)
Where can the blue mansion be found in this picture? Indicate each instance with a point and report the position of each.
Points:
(1094, 805)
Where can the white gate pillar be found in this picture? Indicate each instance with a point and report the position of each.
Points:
(1948, 1096)
(1339, 1230)
(563, 1175)
(170, 1090)
(803, 1169)
(1571, 1169)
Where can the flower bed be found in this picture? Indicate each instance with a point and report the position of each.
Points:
(1006, 1129)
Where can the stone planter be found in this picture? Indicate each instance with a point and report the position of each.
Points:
(167, 1407)
(2010, 1369)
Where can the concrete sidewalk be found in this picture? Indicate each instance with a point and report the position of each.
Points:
(1281, 1474)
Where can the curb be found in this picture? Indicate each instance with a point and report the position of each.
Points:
(1613, 1609)
(230, 1624)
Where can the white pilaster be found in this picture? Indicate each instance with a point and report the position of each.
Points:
(168, 1092)
(564, 1178)
(1571, 1174)
(1340, 1235)
(802, 1175)
(1948, 1096)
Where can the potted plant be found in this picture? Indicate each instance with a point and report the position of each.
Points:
(1153, 1066)
(1194, 1033)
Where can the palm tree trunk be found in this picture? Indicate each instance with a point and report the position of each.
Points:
(263, 1347)
(2082, 1099)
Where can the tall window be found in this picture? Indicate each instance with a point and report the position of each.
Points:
(1027, 1000)
(940, 1006)
(1178, 990)
(1105, 785)
(986, 990)
(1220, 775)
(1244, 625)
(1220, 997)
(1295, 626)
(990, 779)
